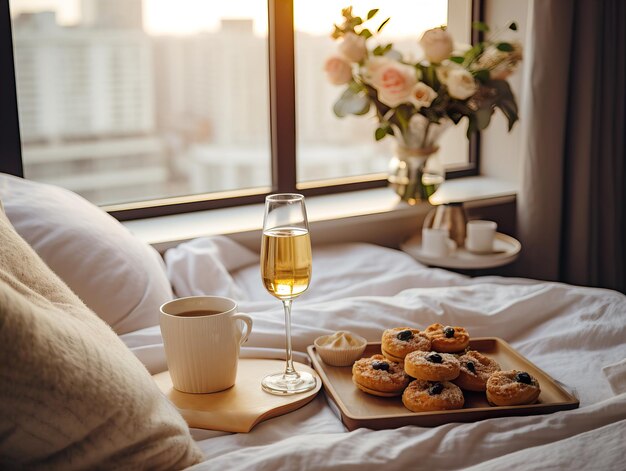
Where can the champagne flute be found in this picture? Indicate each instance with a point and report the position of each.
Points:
(286, 272)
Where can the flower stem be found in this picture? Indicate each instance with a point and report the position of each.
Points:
(425, 135)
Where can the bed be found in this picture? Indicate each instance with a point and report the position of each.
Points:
(575, 334)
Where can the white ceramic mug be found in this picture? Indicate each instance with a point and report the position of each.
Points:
(480, 236)
(202, 350)
(436, 242)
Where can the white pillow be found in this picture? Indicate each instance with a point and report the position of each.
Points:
(72, 396)
(119, 277)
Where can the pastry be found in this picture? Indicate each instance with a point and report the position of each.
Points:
(511, 388)
(398, 342)
(422, 396)
(431, 366)
(378, 376)
(475, 371)
(447, 339)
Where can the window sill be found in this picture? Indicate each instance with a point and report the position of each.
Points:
(374, 215)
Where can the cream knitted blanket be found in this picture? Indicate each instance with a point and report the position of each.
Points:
(72, 396)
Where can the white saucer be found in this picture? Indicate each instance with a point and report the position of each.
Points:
(505, 250)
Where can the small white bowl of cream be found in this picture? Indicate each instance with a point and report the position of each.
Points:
(341, 348)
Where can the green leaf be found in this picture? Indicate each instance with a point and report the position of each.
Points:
(505, 47)
(356, 21)
(382, 25)
(509, 109)
(337, 33)
(480, 26)
(482, 75)
(483, 118)
(351, 102)
(356, 87)
(513, 26)
(472, 53)
(366, 33)
(503, 90)
(455, 116)
(457, 59)
(381, 50)
(371, 13)
(380, 133)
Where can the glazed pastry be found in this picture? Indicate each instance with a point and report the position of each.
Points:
(431, 366)
(475, 371)
(447, 339)
(422, 396)
(378, 376)
(398, 342)
(512, 388)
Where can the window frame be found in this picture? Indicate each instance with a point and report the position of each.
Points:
(281, 52)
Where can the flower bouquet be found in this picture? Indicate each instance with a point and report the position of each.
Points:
(417, 101)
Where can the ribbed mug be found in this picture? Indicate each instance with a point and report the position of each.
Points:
(202, 336)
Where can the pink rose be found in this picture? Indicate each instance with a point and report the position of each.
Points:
(338, 70)
(353, 47)
(394, 82)
(437, 45)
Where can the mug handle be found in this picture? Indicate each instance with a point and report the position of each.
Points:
(248, 321)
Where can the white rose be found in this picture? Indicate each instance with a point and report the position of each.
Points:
(338, 70)
(501, 64)
(461, 84)
(353, 47)
(444, 69)
(422, 95)
(437, 44)
(393, 81)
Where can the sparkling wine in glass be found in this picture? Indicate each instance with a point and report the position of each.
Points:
(286, 272)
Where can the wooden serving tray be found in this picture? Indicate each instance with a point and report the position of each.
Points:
(358, 409)
(241, 407)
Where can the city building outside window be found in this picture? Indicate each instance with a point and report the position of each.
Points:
(131, 102)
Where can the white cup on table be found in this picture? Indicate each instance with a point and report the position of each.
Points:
(436, 242)
(202, 336)
(480, 236)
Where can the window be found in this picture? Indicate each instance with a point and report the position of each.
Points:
(154, 107)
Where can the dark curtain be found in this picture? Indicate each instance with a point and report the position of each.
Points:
(594, 232)
(573, 203)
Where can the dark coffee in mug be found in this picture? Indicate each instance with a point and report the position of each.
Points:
(199, 313)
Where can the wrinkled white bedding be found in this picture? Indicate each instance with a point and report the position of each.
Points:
(577, 335)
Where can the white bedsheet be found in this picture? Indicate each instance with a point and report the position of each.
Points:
(577, 335)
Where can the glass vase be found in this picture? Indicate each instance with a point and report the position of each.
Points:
(415, 173)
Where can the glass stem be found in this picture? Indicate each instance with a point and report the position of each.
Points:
(289, 369)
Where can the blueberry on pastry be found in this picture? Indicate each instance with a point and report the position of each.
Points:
(431, 366)
(421, 396)
(476, 369)
(447, 339)
(378, 376)
(400, 341)
(512, 388)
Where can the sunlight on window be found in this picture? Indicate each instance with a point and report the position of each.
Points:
(127, 100)
(119, 110)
